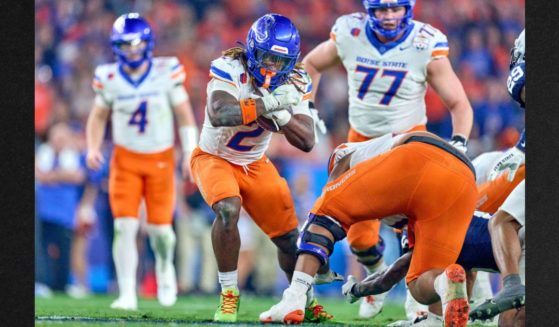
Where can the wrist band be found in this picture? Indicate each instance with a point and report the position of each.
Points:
(248, 110)
(189, 137)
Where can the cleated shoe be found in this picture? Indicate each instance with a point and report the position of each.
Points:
(500, 303)
(371, 306)
(290, 310)
(315, 313)
(456, 298)
(229, 304)
(125, 303)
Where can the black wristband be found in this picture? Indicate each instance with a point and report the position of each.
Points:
(459, 138)
(311, 104)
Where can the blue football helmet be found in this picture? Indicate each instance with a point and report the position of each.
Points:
(132, 37)
(376, 24)
(272, 49)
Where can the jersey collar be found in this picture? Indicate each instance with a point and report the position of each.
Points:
(133, 82)
(384, 47)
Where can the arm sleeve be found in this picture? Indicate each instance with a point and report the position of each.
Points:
(102, 98)
(439, 44)
(177, 94)
(223, 79)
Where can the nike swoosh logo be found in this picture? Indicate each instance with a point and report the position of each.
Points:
(404, 48)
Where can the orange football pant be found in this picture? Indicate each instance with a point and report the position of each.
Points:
(493, 193)
(365, 234)
(433, 188)
(134, 175)
(263, 192)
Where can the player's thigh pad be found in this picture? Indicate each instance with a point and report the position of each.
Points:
(125, 183)
(363, 235)
(159, 188)
(493, 194)
(267, 199)
(214, 176)
(515, 204)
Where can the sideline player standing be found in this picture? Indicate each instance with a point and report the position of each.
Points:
(230, 168)
(389, 59)
(140, 94)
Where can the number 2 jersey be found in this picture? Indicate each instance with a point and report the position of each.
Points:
(142, 108)
(387, 82)
(244, 144)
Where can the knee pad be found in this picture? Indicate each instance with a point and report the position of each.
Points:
(307, 238)
(371, 256)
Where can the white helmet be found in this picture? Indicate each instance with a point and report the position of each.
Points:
(518, 53)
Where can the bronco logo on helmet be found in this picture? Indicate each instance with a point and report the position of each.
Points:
(273, 47)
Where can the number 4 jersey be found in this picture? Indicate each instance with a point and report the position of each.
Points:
(244, 144)
(387, 81)
(142, 108)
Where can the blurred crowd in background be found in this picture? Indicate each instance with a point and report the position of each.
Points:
(72, 38)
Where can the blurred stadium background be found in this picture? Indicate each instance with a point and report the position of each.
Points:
(72, 37)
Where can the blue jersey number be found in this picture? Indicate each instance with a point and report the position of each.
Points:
(235, 141)
(370, 73)
(139, 117)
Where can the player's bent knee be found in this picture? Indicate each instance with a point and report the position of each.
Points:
(227, 211)
(314, 243)
(372, 255)
(502, 218)
(287, 242)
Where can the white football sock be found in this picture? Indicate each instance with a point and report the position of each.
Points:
(310, 296)
(228, 279)
(125, 254)
(441, 287)
(301, 282)
(162, 239)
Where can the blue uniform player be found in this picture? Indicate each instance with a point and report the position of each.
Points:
(509, 220)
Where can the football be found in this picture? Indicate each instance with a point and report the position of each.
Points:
(269, 124)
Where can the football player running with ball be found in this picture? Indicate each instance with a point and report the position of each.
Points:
(259, 83)
(140, 94)
(390, 59)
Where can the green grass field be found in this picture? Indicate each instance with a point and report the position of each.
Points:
(189, 310)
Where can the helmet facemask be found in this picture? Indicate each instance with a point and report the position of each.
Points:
(132, 40)
(376, 24)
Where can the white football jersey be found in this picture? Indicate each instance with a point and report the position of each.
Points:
(142, 109)
(387, 82)
(243, 144)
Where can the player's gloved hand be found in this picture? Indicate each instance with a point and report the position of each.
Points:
(511, 160)
(347, 289)
(327, 278)
(283, 96)
(280, 117)
(459, 142)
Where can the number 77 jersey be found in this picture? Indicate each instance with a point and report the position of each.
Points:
(387, 81)
(142, 108)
